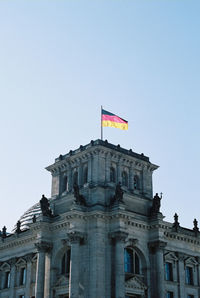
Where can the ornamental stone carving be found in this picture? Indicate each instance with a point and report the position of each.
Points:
(43, 246)
(119, 236)
(76, 237)
(155, 246)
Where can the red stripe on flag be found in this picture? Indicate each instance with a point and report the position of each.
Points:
(113, 119)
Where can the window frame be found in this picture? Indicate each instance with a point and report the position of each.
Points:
(65, 262)
(22, 276)
(169, 271)
(133, 266)
(189, 275)
(6, 284)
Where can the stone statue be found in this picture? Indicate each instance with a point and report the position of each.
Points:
(155, 209)
(18, 229)
(195, 229)
(34, 218)
(44, 204)
(118, 197)
(4, 234)
(80, 200)
(176, 223)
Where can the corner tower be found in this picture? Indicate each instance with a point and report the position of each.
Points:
(96, 169)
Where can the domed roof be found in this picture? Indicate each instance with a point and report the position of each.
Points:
(27, 217)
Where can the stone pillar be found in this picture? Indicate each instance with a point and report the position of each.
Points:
(74, 239)
(69, 176)
(131, 178)
(42, 247)
(28, 275)
(108, 165)
(157, 268)
(90, 168)
(119, 238)
(12, 278)
(181, 275)
(47, 280)
(119, 171)
(80, 173)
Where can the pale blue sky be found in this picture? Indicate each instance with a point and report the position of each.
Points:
(61, 60)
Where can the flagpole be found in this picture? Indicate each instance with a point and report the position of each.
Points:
(101, 125)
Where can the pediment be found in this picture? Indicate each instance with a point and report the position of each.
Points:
(21, 262)
(170, 256)
(5, 267)
(135, 283)
(62, 281)
(191, 261)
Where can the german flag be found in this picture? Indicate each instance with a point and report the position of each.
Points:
(112, 120)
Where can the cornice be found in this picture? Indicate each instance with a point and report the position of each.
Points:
(182, 238)
(17, 242)
(97, 147)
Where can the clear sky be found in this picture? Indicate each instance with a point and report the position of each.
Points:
(61, 60)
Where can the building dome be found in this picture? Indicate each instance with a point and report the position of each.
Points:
(27, 217)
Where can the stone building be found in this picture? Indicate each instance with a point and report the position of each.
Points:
(100, 235)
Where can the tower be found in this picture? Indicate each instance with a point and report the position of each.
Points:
(100, 234)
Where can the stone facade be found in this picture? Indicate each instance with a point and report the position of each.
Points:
(97, 238)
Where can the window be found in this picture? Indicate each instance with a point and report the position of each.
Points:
(112, 175)
(85, 175)
(170, 295)
(131, 261)
(189, 275)
(190, 296)
(65, 184)
(65, 263)
(21, 296)
(22, 278)
(124, 178)
(136, 182)
(168, 271)
(75, 177)
(7, 279)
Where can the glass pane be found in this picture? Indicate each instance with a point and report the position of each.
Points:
(128, 260)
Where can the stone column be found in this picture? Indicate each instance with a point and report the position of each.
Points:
(157, 267)
(80, 173)
(42, 247)
(119, 238)
(108, 164)
(69, 176)
(28, 275)
(181, 275)
(12, 278)
(47, 280)
(90, 168)
(131, 178)
(119, 171)
(74, 239)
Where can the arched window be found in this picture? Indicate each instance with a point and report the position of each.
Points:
(136, 182)
(124, 179)
(65, 184)
(85, 175)
(131, 261)
(75, 177)
(112, 175)
(65, 263)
